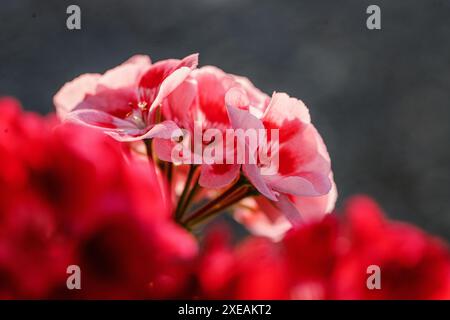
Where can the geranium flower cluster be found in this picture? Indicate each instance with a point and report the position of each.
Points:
(113, 184)
(162, 105)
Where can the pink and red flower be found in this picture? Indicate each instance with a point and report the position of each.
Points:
(304, 168)
(203, 109)
(124, 101)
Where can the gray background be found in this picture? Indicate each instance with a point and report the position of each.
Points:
(380, 98)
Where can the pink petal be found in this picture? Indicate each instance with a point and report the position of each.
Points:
(289, 210)
(174, 149)
(73, 93)
(283, 108)
(154, 76)
(111, 92)
(168, 85)
(252, 172)
(303, 168)
(314, 208)
(270, 219)
(149, 86)
(119, 129)
(301, 186)
(241, 119)
(237, 97)
(127, 74)
(218, 175)
(212, 86)
(191, 61)
(163, 130)
(261, 217)
(258, 99)
(163, 148)
(178, 105)
(117, 102)
(100, 120)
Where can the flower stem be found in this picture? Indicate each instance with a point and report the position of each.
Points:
(232, 195)
(148, 148)
(192, 193)
(168, 168)
(180, 204)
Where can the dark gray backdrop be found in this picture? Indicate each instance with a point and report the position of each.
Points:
(380, 98)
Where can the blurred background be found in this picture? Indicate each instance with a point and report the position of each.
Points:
(381, 99)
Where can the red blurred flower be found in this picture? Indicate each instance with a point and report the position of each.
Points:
(68, 196)
(413, 265)
(328, 259)
(311, 252)
(256, 269)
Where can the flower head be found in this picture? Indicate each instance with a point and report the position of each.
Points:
(123, 102)
(303, 165)
(198, 106)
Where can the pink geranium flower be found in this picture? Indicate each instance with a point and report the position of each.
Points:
(303, 162)
(123, 101)
(200, 101)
